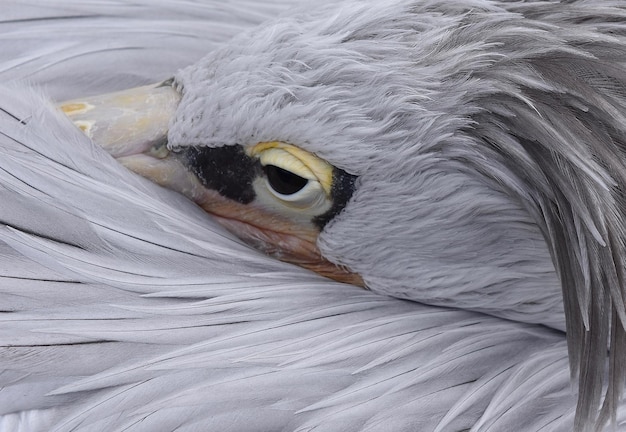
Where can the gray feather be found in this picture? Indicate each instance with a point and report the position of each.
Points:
(493, 172)
(144, 322)
(489, 142)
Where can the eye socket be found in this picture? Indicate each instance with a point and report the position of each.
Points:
(295, 182)
(283, 181)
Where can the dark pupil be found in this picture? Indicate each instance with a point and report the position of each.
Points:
(282, 181)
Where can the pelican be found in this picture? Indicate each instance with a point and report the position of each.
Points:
(462, 161)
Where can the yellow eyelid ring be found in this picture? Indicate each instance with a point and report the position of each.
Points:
(301, 162)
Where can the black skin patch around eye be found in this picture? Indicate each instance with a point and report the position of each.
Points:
(340, 193)
(228, 170)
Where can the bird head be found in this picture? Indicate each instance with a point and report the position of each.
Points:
(345, 141)
(465, 154)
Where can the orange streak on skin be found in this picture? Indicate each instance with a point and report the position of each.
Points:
(275, 236)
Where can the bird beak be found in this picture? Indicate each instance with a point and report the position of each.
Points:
(132, 126)
(128, 122)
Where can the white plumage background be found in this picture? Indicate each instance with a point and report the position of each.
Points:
(124, 307)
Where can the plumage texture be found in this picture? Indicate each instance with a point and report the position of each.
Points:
(124, 307)
(148, 317)
(479, 130)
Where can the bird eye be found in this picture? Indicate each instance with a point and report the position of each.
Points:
(294, 181)
(283, 181)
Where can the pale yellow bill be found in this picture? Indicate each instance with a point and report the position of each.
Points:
(126, 122)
